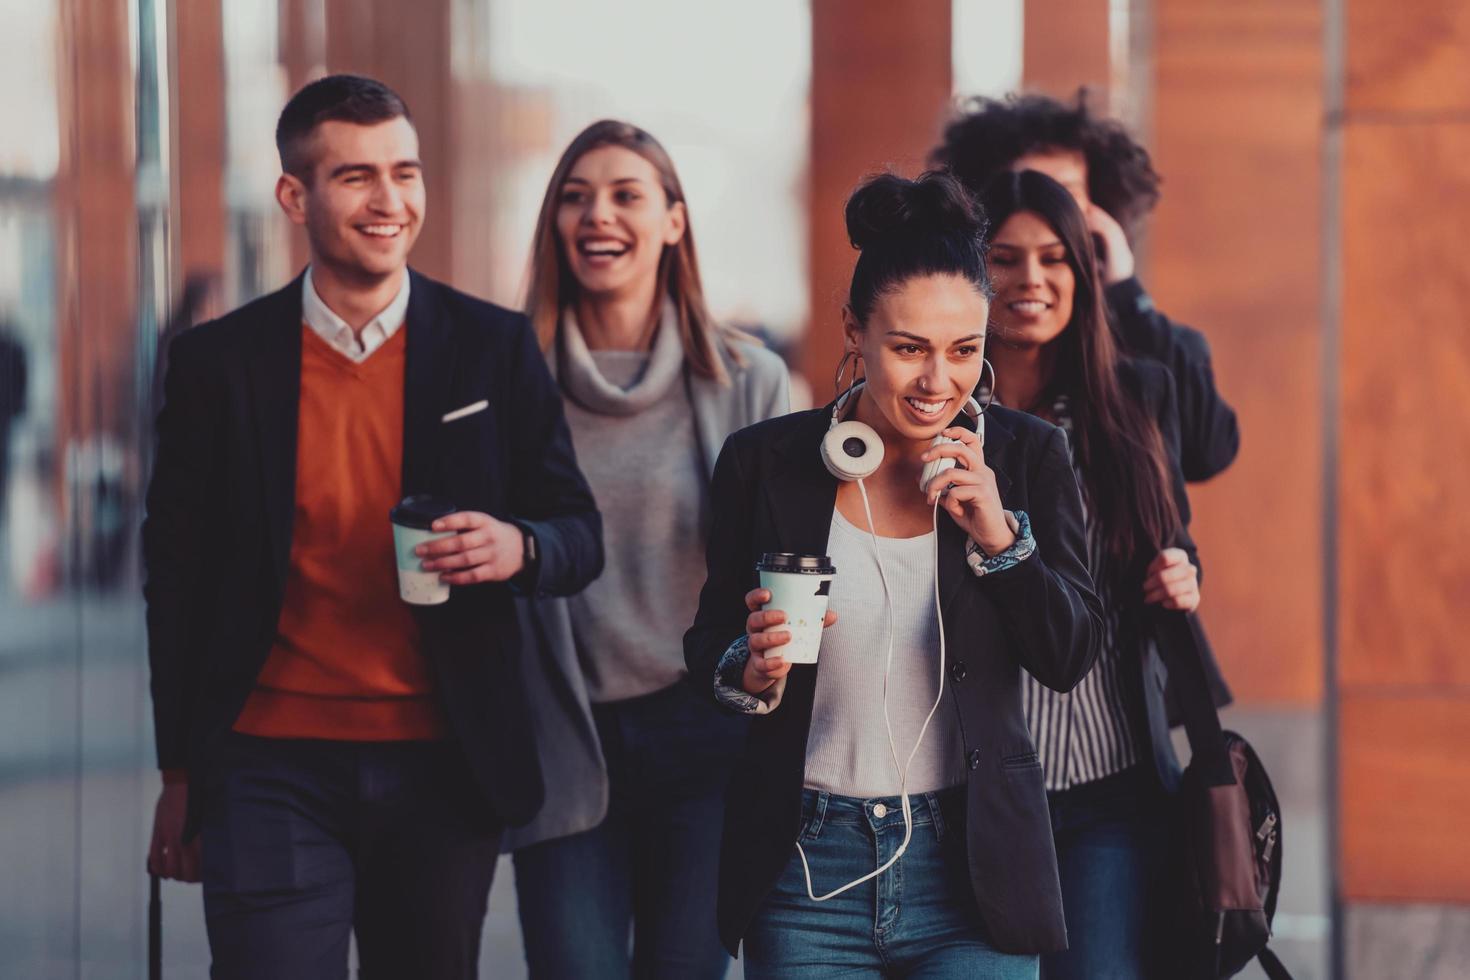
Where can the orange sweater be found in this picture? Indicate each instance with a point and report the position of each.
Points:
(346, 662)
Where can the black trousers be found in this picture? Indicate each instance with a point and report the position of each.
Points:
(307, 841)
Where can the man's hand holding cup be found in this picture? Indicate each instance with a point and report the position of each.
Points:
(480, 549)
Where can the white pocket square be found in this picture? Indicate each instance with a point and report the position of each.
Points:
(469, 409)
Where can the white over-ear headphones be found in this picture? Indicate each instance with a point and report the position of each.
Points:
(851, 450)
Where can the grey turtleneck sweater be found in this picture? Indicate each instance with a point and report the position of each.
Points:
(633, 428)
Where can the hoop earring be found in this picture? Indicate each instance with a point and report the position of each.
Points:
(981, 387)
(853, 358)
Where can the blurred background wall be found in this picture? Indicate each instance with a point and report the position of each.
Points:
(1314, 199)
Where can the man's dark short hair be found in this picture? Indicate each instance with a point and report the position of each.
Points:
(989, 135)
(343, 98)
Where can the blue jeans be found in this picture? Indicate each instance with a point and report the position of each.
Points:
(916, 920)
(1111, 837)
(652, 864)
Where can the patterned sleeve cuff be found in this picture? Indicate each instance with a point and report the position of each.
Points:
(728, 688)
(1022, 548)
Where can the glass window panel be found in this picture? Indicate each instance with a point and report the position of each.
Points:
(732, 114)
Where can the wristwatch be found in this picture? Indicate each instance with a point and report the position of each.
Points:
(531, 554)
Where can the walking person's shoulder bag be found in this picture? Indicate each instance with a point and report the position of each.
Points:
(1227, 828)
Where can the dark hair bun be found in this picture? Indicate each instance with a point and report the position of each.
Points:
(888, 208)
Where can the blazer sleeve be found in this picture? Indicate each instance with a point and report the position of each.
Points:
(1047, 602)
(1169, 427)
(1209, 431)
(720, 620)
(175, 549)
(549, 495)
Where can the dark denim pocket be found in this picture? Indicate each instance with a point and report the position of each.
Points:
(248, 837)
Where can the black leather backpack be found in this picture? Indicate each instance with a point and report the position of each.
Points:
(1227, 855)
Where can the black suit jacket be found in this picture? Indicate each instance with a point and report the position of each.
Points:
(217, 536)
(1209, 435)
(772, 493)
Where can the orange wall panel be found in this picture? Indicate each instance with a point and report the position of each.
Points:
(1065, 45)
(1408, 56)
(880, 91)
(199, 162)
(407, 46)
(1405, 796)
(1235, 250)
(97, 220)
(1404, 526)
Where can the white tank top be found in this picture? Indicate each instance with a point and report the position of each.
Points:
(847, 751)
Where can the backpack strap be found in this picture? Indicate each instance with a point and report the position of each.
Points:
(1181, 643)
(1271, 965)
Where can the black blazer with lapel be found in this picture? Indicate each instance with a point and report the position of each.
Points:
(217, 535)
(772, 493)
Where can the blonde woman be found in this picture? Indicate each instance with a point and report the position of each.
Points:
(635, 761)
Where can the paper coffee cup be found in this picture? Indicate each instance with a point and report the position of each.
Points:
(412, 519)
(799, 587)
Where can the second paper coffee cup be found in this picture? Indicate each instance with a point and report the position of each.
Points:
(412, 521)
(799, 587)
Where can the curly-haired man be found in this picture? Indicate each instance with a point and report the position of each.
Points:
(1116, 186)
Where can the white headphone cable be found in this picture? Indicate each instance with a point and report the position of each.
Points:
(903, 770)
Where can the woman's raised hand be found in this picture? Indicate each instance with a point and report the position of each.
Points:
(1172, 581)
(973, 499)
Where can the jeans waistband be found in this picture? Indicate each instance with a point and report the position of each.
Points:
(941, 808)
(1135, 781)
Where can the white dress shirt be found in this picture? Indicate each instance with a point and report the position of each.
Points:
(356, 346)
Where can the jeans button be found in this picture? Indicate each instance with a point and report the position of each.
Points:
(958, 670)
(975, 759)
(880, 811)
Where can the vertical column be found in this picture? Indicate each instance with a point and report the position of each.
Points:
(96, 281)
(303, 52)
(97, 219)
(302, 42)
(1066, 45)
(408, 47)
(1404, 680)
(880, 87)
(199, 137)
(1236, 250)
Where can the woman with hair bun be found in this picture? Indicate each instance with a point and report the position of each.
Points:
(876, 826)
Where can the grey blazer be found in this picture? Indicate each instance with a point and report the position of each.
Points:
(572, 766)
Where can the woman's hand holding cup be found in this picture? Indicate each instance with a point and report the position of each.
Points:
(765, 665)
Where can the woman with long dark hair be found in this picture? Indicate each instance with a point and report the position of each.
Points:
(1111, 177)
(887, 817)
(635, 764)
(1105, 745)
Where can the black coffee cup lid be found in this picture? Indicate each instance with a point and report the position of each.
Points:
(420, 511)
(784, 561)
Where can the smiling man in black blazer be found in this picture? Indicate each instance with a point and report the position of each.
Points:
(348, 761)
